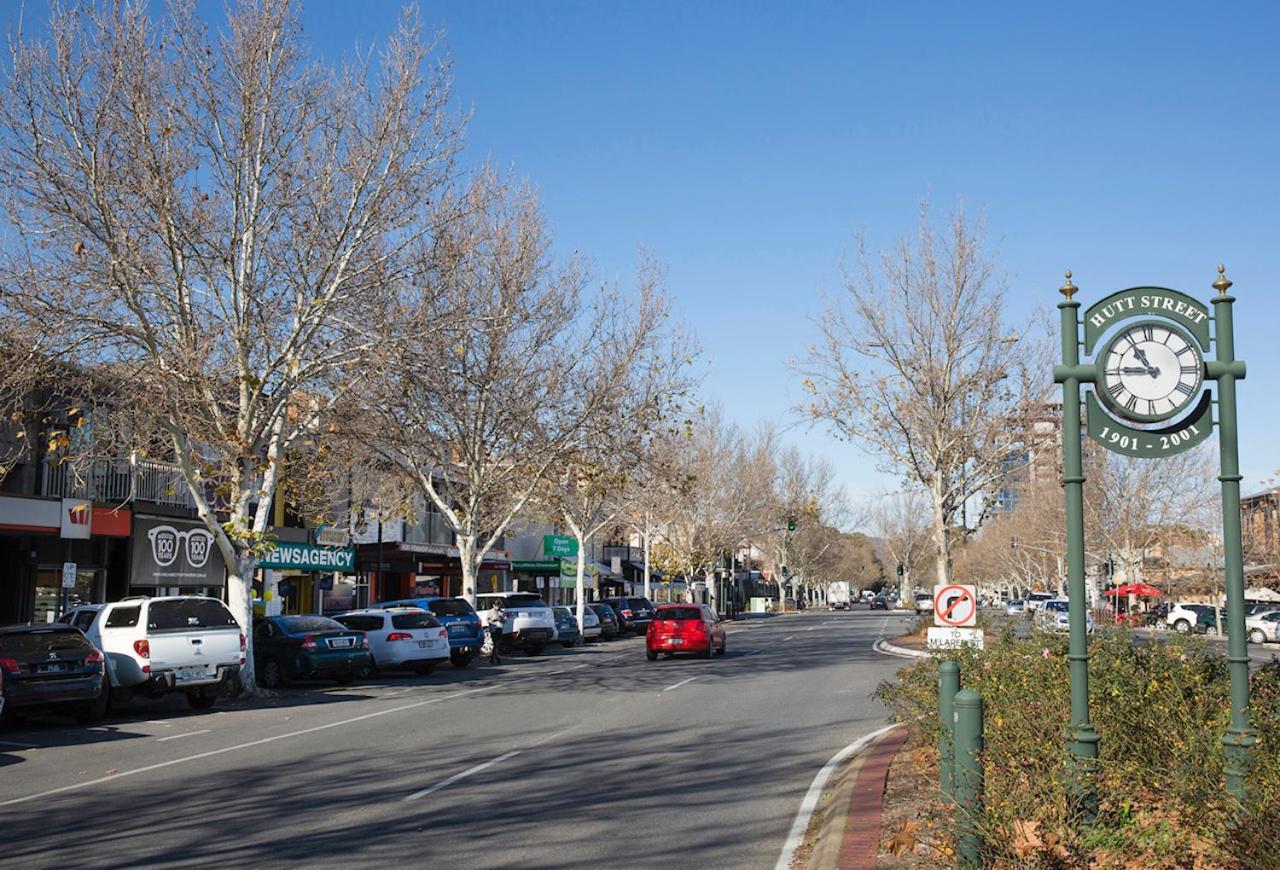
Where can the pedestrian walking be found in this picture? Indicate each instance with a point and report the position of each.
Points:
(493, 623)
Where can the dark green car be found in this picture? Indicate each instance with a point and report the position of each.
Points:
(307, 647)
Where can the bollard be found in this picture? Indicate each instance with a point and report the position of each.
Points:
(948, 685)
(967, 775)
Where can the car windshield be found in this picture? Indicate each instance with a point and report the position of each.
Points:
(680, 613)
(1056, 606)
(361, 622)
(1017, 602)
(293, 624)
(563, 613)
(417, 619)
(524, 601)
(603, 610)
(42, 641)
(450, 607)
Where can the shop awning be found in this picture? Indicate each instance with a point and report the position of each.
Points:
(638, 567)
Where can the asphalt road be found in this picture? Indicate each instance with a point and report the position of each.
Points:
(584, 758)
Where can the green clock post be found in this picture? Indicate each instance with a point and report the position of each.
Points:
(1151, 372)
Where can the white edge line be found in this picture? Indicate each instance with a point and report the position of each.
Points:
(212, 752)
(679, 684)
(810, 802)
(457, 776)
(184, 734)
(787, 638)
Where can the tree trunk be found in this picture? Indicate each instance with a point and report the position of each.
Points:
(645, 543)
(581, 585)
(941, 534)
(470, 566)
(240, 602)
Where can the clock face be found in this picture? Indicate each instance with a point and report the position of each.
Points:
(1149, 372)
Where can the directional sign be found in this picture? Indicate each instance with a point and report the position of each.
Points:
(955, 605)
(954, 638)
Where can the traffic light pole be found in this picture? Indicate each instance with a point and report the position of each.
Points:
(1082, 740)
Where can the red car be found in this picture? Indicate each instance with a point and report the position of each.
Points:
(684, 628)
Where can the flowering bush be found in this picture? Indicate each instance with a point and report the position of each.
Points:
(1161, 708)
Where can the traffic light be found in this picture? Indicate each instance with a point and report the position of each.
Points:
(785, 572)
(900, 569)
(791, 522)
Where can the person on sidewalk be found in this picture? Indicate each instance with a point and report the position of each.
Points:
(493, 621)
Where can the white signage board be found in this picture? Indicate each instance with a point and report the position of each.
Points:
(954, 638)
(68, 575)
(955, 605)
(76, 516)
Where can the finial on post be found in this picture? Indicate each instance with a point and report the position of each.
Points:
(1222, 285)
(1068, 289)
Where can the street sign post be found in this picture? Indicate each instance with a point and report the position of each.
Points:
(68, 575)
(955, 605)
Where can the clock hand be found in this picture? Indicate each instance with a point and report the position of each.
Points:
(1134, 370)
(1142, 356)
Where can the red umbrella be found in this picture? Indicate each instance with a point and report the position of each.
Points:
(1141, 590)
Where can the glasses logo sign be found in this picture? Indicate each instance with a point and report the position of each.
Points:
(167, 542)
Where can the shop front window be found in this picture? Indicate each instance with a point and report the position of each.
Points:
(49, 593)
(342, 597)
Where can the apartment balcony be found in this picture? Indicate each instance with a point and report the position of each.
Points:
(117, 481)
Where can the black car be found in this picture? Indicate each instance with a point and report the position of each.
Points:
(609, 628)
(52, 668)
(880, 602)
(302, 647)
(634, 614)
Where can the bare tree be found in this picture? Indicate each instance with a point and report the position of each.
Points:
(900, 522)
(212, 216)
(804, 495)
(524, 369)
(917, 365)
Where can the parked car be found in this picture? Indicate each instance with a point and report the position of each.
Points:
(684, 628)
(1055, 614)
(1263, 627)
(154, 646)
(634, 613)
(1183, 616)
(307, 647)
(460, 620)
(590, 621)
(400, 638)
(1015, 607)
(608, 619)
(567, 631)
(879, 602)
(923, 602)
(52, 668)
(1208, 620)
(1254, 608)
(528, 623)
(1036, 600)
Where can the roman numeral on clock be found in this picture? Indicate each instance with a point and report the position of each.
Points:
(1148, 334)
(1184, 388)
(1191, 370)
(1131, 403)
(1115, 390)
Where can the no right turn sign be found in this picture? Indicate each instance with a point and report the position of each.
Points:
(955, 605)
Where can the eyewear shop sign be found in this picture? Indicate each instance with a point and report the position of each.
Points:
(308, 557)
(170, 552)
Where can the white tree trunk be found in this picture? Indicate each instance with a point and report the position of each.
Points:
(240, 602)
(470, 566)
(941, 534)
(581, 586)
(645, 536)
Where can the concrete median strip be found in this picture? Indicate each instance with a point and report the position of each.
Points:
(885, 648)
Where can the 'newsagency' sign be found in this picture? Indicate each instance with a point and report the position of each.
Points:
(310, 557)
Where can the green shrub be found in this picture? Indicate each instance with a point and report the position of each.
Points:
(1161, 709)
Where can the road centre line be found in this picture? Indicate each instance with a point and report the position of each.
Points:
(457, 776)
(184, 734)
(239, 747)
(788, 637)
(679, 684)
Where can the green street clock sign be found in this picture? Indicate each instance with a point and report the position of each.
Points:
(1147, 396)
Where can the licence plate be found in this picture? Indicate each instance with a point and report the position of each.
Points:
(340, 643)
(677, 640)
(426, 644)
(51, 669)
(184, 674)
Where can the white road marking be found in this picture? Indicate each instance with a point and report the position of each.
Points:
(239, 747)
(679, 684)
(810, 802)
(457, 776)
(158, 722)
(788, 637)
(16, 743)
(184, 734)
(550, 737)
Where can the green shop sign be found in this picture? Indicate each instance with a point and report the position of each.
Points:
(310, 557)
(559, 545)
(538, 566)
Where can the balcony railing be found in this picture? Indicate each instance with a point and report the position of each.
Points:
(117, 481)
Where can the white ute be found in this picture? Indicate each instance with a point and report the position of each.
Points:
(154, 646)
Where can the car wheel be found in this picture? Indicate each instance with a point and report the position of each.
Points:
(1257, 636)
(92, 713)
(271, 676)
(1211, 631)
(1182, 625)
(460, 659)
(710, 650)
(651, 655)
(202, 698)
(532, 651)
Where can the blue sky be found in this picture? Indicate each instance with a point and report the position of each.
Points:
(744, 142)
